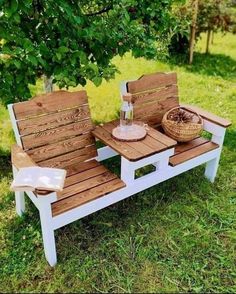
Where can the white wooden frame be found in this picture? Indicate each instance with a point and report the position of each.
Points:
(162, 173)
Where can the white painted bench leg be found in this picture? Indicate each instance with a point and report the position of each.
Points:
(48, 232)
(19, 197)
(211, 169)
(127, 171)
(212, 165)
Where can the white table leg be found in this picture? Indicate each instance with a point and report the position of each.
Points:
(127, 171)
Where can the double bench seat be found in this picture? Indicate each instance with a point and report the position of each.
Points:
(55, 130)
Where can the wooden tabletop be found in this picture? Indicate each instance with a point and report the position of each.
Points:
(153, 143)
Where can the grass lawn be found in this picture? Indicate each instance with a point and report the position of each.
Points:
(177, 236)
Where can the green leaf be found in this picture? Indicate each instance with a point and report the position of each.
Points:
(17, 63)
(33, 60)
(63, 49)
(58, 55)
(97, 81)
(12, 8)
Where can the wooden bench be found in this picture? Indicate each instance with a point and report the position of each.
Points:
(55, 130)
(153, 95)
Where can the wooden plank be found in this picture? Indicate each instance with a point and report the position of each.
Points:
(87, 184)
(67, 159)
(208, 116)
(50, 102)
(158, 108)
(155, 95)
(85, 175)
(152, 144)
(151, 81)
(82, 166)
(20, 158)
(61, 147)
(153, 114)
(125, 150)
(192, 153)
(57, 134)
(86, 196)
(164, 139)
(181, 147)
(52, 120)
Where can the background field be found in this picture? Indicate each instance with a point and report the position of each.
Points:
(177, 236)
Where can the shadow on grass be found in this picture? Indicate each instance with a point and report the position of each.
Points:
(5, 162)
(230, 139)
(208, 64)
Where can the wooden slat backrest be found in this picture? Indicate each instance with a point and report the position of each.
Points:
(153, 95)
(55, 128)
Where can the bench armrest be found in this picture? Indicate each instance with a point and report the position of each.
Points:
(20, 158)
(208, 116)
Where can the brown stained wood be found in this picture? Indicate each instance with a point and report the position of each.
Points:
(50, 102)
(156, 108)
(164, 139)
(87, 184)
(151, 81)
(86, 196)
(150, 144)
(52, 120)
(155, 95)
(154, 144)
(152, 114)
(192, 153)
(121, 147)
(57, 134)
(80, 167)
(67, 159)
(20, 158)
(61, 147)
(181, 147)
(133, 151)
(85, 175)
(208, 116)
(154, 137)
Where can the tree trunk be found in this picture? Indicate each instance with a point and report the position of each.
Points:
(208, 40)
(212, 37)
(48, 85)
(193, 30)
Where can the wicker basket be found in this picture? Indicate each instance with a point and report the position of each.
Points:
(182, 132)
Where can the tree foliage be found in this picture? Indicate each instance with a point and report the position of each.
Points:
(74, 41)
(213, 15)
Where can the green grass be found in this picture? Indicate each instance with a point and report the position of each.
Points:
(177, 236)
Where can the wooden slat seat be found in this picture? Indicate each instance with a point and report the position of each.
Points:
(189, 150)
(85, 184)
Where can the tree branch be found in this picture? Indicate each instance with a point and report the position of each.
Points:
(106, 9)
